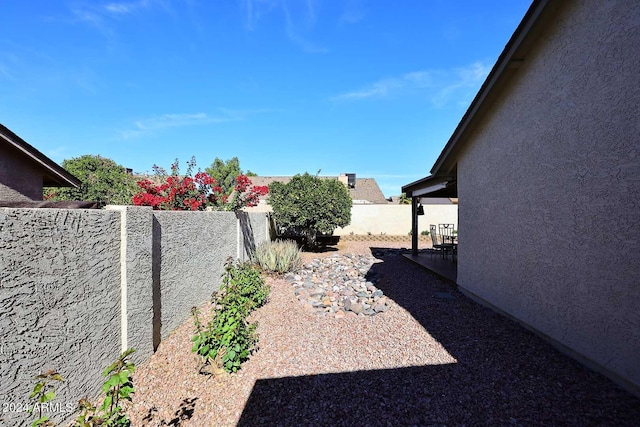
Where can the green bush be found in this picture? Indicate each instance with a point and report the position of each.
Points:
(308, 205)
(228, 338)
(280, 256)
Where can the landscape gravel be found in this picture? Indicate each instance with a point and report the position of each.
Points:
(431, 358)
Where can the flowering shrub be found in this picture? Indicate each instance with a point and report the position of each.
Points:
(244, 194)
(175, 192)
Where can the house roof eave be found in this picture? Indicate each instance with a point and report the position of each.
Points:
(54, 174)
(509, 60)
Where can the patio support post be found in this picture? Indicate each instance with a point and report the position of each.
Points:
(414, 225)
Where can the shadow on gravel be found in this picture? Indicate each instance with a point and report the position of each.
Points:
(184, 413)
(504, 374)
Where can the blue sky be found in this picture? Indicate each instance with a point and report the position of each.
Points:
(288, 86)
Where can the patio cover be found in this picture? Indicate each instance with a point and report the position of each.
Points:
(432, 186)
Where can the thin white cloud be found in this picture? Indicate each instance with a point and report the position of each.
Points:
(440, 87)
(256, 10)
(100, 16)
(299, 20)
(119, 8)
(126, 8)
(353, 13)
(5, 72)
(163, 121)
(91, 17)
(57, 153)
(378, 89)
(465, 82)
(157, 123)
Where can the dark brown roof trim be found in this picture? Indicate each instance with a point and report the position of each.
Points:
(55, 173)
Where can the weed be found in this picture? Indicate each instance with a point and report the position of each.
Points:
(42, 393)
(117, 388)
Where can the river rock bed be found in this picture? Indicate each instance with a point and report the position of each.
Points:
(339, 286)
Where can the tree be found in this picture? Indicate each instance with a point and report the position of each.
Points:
(225, 173)
(175, 191)
(404, 200)
(187, 192)
(102, 181)
(308, 205)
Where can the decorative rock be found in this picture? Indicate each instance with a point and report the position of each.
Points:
(339, 286)
(357, 308)
(379, 308)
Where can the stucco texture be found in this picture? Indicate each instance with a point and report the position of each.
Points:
(396, 219)
(195, 246)
(136, 273)
(59, 300)
(549, 189)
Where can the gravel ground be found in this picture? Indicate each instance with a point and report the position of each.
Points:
(426, 361)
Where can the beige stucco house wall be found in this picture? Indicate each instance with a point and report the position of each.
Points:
(549, 189)
(547, 168)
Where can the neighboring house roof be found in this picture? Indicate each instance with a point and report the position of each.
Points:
(442, 181)
(53, 175)
(366, 190)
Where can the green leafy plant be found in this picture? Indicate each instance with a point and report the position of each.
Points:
(228, 338)
(425, 232)
(404, 200)
(308, 205)
(243, 286)
(280, 256)
(226, 341)
(43, 392)
(118, 389)
(225, 173)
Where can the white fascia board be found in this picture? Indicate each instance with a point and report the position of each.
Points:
(429, 189)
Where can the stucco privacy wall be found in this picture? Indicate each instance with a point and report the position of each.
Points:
(78, 286)
(59, 300)
(396, 219)
(549, 189)
(136, 280)
(195, 246)
(389, 219)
